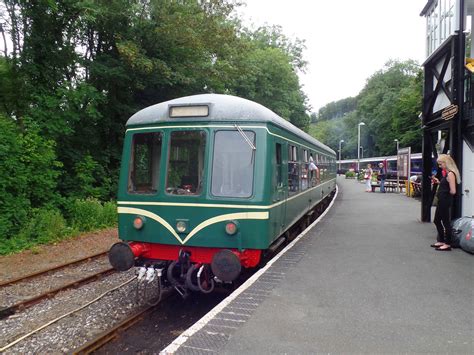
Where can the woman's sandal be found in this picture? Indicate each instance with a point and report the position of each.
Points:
(435, 245)
(443, 249)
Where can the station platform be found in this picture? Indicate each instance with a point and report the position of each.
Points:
(363, 279)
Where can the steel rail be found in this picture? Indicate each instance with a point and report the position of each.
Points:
(113, 333)
(65, 315)
(8, 311)
(54, 268)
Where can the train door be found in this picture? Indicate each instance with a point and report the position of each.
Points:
(467, 181)
(280, 187)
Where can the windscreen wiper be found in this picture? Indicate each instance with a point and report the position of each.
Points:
(245, 137)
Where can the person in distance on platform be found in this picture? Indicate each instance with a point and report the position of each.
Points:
(368, 178)
(445, 194)
(382, 175)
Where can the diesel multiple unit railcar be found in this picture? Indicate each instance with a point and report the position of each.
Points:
(210, 182)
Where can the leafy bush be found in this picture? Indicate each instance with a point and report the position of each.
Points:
(86, 214)
(350, 174)
(90, 214)
(44, 226)
(28, 175)
(109, 214)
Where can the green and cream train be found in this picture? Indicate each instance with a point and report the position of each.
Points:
(208, 183)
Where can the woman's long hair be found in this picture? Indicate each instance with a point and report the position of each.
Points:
(450, 165)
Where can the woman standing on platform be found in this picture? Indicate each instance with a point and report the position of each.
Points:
(368, 178)
(446, 192)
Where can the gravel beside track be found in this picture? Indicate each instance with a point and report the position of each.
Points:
(23, 290)
(76, 329)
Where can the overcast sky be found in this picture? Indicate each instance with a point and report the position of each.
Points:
(347, 40)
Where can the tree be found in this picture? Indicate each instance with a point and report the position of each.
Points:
(389, 105)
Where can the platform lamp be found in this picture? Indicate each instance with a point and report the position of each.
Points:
(398, 181)
(340, 142)
(358, 144)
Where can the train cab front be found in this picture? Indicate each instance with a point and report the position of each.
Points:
(190, 254)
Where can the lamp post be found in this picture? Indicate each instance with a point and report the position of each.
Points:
(340, 142)
(358, 144)
(398, 181)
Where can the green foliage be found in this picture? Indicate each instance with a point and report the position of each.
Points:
(389, 105)
(109, 214)
(28, 175)
(337, 109)
(350, 174)
(78, 70)
(91, 214)
(43, 226)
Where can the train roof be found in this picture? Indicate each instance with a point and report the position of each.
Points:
(220, 108)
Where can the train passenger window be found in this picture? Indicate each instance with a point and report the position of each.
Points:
(293, 170)
(233, 164)
(305, 171)
(145, 163)
(279, 179)
(186, 162)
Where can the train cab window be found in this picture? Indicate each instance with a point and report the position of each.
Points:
(145, 163)
(233, 164)
(293, 170)
(186, 162)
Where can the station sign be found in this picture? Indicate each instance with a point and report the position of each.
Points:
(449, 112)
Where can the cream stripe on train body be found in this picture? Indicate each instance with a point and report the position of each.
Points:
(202, 225)
(213, 220)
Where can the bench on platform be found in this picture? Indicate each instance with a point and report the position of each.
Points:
(390, 185)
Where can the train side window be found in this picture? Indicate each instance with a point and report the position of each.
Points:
(278, 157)
(145, 163)
(293, 170)
(233, 164)
(304, 171)
(313, 169)
(186, 162)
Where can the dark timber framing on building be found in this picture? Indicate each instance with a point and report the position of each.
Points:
(445, 75)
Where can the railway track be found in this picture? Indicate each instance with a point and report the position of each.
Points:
(23, 292)
(115, 332)
(54, 268)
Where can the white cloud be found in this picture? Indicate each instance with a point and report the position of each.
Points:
(347, 41)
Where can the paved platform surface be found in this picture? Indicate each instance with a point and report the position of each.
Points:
(362, 280)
